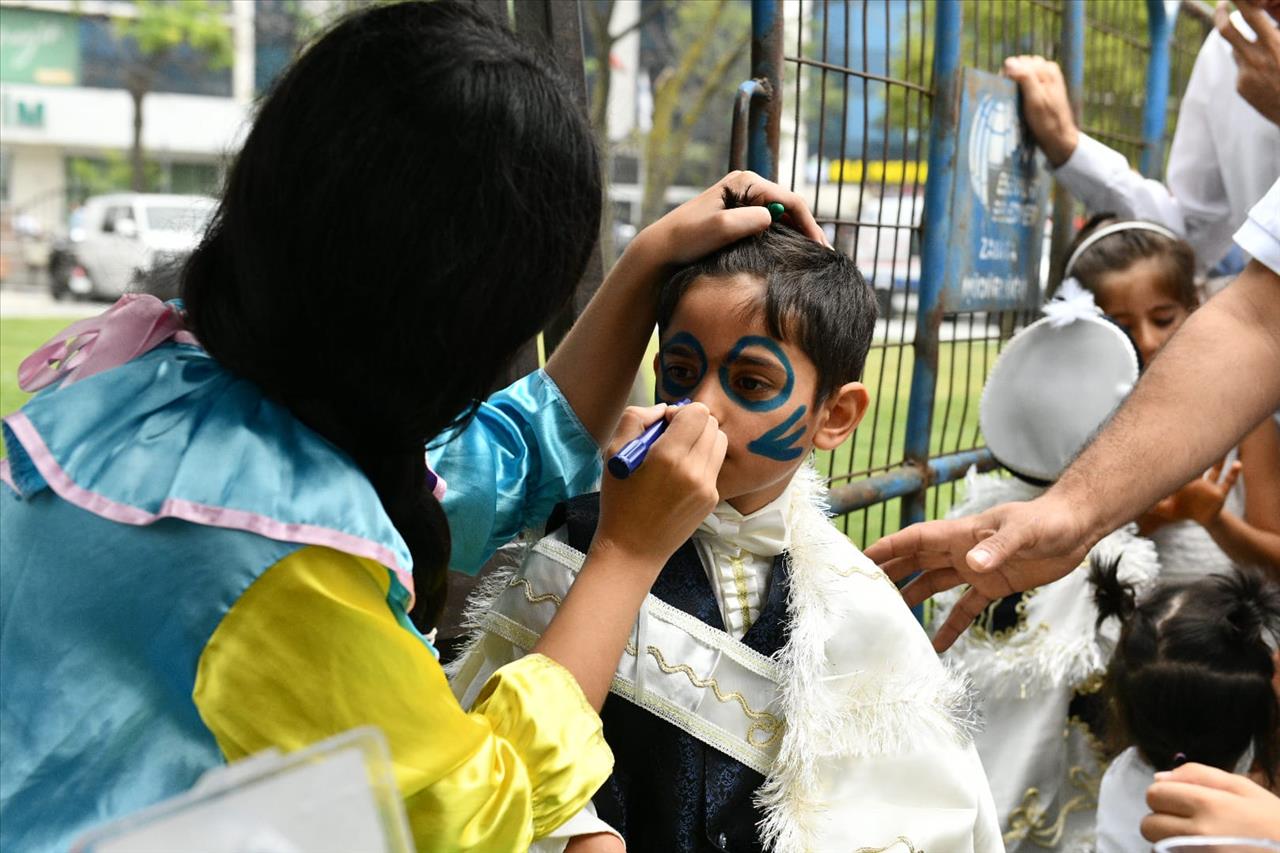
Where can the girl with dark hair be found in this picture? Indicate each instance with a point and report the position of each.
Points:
(220, 533)
(1191, 680)
(1142, 276)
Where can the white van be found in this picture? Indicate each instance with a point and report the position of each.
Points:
(115, 240)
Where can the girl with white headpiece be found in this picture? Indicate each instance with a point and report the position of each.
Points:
(1142, 276)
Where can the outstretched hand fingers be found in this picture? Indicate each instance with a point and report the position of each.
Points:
(1228, 481)
(928, 584)
(1257, 20)
(967, 609)
(925, 538)
(900, 568)
(1222, 23)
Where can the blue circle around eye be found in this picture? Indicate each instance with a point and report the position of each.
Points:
(673, 389)
(770, 403)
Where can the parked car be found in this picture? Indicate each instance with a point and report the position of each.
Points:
(114, 241)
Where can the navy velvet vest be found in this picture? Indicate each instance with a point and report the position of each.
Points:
(670, 791)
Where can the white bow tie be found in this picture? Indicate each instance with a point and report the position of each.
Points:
(763, 533)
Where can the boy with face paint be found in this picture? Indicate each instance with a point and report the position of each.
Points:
(776, 693)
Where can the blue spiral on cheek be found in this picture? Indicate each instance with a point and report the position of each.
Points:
(672, 389)
(726, 381)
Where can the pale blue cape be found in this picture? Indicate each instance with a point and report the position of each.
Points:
(141, 503)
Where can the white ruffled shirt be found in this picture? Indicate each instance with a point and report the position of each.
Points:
(737, 553)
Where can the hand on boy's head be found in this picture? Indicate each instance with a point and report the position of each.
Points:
(1199, 800)
(1258, 61)
(653, 512)
(1009, 548)
(701, 225)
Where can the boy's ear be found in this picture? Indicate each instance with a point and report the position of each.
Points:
(843, 411)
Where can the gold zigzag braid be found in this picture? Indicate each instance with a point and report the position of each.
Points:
(530, 595)
(761, 721)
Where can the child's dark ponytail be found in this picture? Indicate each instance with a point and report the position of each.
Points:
(1192, 672)
(1114, 598)
(1255, 611)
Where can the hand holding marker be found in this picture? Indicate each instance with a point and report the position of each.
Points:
(628, 459)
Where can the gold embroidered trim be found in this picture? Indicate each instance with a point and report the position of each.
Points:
(761, 721)
(530, 595)
(1031, 821)
(740, 587)
(901, 839)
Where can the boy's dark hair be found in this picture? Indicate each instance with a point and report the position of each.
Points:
(1192, 671)
(1120, 250)
(815, 297)
(419, 193)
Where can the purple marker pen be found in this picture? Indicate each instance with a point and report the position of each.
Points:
(628, 459)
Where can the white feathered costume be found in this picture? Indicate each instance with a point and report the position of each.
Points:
(864, 737)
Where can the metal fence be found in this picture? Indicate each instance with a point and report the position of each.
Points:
(858, 83)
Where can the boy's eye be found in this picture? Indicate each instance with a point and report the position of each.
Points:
(753, 385)
(1163, 322)
(680, 373)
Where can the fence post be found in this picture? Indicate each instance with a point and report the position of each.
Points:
(1072, 54)
(765, 123)
(1160, 22)
(933, 258)
(558, 25)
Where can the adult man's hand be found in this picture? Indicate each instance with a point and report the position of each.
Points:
(1257, 62)
(1047, 107)
(1007, 549)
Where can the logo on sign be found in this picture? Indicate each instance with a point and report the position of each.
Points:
(991, 146)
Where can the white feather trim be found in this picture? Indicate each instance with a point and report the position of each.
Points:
(504, 565)
(830, 715)
(1059, 644)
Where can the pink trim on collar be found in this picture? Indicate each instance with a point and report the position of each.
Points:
(6, 476)
(210, 516)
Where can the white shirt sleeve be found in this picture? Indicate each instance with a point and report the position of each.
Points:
(1102, 179)
(585, 822)
(1195, 203)
(1260, 234)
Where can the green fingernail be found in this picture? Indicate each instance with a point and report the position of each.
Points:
(776, 209)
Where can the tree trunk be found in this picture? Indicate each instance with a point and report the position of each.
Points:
(137, 158)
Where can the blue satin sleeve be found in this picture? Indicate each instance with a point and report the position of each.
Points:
(523, 453)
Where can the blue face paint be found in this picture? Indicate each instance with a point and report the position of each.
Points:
(771, 403)
(675, 388)
(776, 443)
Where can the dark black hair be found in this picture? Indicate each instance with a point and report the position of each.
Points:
(419, 193)
(815, 297)
(1192, 670)
(1121, 250)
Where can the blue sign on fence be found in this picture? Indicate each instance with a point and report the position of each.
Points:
(999, 201)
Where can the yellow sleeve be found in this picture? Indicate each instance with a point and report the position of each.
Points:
(313, 648)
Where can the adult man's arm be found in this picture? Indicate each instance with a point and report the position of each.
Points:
(1214, 380)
